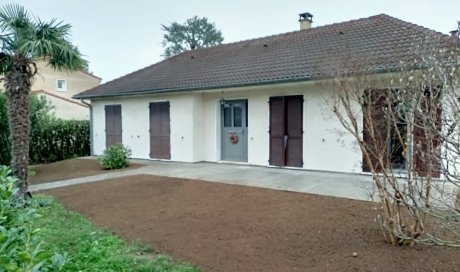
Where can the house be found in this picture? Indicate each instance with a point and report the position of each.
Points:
(255, 102)
(60, 86)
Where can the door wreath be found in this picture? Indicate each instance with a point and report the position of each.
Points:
(233, 138)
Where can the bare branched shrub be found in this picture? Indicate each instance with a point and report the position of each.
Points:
(406, 122)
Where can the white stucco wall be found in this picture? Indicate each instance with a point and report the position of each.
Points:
(76, 81)
(195, 126)
(135, 124)
(66, 110)
(327, 145)
(199, 120)
(210, 128)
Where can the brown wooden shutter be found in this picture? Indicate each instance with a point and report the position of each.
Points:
(294, 131)
(427, 149)
(374, 106)
(160, 140)
(286, 131)
(277, 129)
(113, 125)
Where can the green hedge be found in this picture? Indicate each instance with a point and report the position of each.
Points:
(5, 145)
(51, 139)
(58, 140)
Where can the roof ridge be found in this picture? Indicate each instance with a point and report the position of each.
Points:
(317, 28)
(286, 33)
(42, 91)
(90, 74)
(128, 74)
(425, 29)
(251, 60)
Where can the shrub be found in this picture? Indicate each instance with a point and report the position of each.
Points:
(41, 111)
(20, 247)
(51, 139)
(5, 143)
(58, 139)
(115, 157)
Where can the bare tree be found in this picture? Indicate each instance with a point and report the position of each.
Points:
(407, 125)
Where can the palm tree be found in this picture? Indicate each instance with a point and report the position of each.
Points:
(24, 39)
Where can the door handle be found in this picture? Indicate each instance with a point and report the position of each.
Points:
(286, 137)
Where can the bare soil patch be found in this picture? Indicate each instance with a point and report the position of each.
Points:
(230, 228)
(69, 169)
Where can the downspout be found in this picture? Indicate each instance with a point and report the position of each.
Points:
(90, 126)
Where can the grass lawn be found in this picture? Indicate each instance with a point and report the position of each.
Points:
(88, 248)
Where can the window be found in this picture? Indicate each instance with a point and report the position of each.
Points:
(61, 85)
(235, 114)
(227, 115)
(396, 142)
(385, 129)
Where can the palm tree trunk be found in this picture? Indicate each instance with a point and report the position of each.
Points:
(18, 83)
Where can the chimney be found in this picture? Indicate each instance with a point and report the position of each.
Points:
(454, 33)
(305, 20)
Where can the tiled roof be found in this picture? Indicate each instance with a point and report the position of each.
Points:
(379, 40)
(59, 97)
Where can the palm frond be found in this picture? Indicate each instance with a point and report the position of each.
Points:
(6, 42)
(46, 39)
(20, 33)
(52, 29)
(68, 58)
(5, 63)
(14, 18)
(15, 25)
(51, 39)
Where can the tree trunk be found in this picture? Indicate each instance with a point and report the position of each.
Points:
(18, 83)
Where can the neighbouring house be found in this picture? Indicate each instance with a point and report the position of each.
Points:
(60, 86)
(256, 101)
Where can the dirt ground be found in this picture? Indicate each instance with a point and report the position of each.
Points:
(68, 169)
(232, 228)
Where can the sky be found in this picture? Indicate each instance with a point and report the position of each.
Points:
(119, 37)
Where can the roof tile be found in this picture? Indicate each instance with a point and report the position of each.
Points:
(380, 40)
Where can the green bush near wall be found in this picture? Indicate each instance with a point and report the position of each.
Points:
(51, 139)
(5, 144)
(59, 140)
(115, 157)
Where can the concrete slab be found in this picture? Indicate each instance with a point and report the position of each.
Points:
(352, 186)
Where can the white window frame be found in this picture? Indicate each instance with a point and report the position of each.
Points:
(64, 88)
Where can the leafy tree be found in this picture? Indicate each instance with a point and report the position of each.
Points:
(5, 145)
(193, 33)
(23, 39)
(40, 113)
